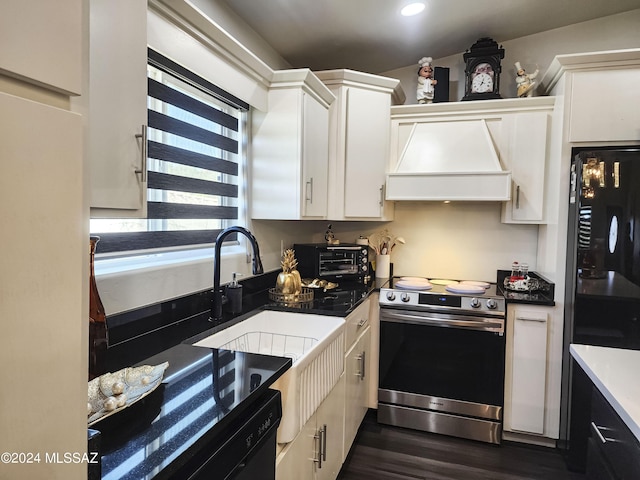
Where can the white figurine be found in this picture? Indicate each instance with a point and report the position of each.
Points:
(524, 81)
(426, 82)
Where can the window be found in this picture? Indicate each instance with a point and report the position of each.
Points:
(195, 157)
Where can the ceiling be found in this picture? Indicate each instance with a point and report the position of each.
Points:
(371, 36)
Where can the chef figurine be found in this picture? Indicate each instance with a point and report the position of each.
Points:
(426, 82)
(524, 81)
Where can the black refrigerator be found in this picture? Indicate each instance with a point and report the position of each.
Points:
(602, 299)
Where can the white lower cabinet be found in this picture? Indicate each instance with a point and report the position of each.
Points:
(316, 453)
(357, 387)
(526, 369)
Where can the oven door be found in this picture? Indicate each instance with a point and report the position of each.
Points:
(442, 355)
(338, 262)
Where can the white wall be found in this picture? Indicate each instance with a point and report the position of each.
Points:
(609, 33)
(456, 240)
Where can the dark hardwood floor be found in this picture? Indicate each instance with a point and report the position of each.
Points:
(382, 452)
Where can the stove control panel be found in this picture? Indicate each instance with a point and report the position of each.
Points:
(430, 299)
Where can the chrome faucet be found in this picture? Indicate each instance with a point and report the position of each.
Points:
(217, 300)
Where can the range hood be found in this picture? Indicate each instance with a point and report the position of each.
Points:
(449, 160)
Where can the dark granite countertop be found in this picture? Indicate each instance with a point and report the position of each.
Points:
(202, 399)
(543, 297)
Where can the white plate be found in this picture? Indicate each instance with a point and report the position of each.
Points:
(438, 281)
(476, 283)
(414, 279)
(460, 288)
(413, 285)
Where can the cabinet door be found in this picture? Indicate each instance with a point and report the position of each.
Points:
(357, 388)
(118, 105)
(42, 43)
(297, 459)
(604, 106)
(367, 131)
(526, 370)
(316, 452)
(315, 157)
(330, 417)
(527, 154)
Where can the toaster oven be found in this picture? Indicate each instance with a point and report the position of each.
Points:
(332, 262)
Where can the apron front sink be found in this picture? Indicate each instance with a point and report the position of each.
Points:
(315, 343)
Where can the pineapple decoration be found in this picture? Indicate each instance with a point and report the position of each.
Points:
(289, 281)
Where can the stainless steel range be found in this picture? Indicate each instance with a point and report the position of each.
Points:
(442, 348)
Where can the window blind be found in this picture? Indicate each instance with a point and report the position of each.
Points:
(194, 156)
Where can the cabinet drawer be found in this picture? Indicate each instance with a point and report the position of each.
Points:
(598, 467)
(357, 321)
(618, 445)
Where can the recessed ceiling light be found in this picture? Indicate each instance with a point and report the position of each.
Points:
(412, 9)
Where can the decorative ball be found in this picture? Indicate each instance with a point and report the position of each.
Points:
(117, 388)
(121, 399)
(110, 404)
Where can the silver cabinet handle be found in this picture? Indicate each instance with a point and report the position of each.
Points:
(318, 459)
(518, 197)
(310, 190)
(381, 195)
(321, 437)
(363, 364)
(143, 160)
(324, 442)
(362, 322)
(598, 433)
(531, 319)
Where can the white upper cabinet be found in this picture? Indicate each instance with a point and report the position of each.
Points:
(290, 149)
(600, 101)
(359, 130)
(118, 107)
(525, 135)
(42, 43)
(604, 105)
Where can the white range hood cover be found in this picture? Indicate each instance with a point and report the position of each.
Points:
(450, 160)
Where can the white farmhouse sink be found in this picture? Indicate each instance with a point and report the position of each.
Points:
(315, 343)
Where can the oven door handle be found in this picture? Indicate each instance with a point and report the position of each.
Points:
(487, 325)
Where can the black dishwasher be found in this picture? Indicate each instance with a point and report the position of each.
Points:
(248, 453)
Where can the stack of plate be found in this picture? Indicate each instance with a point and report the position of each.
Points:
(467, 286)
(413, 283)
